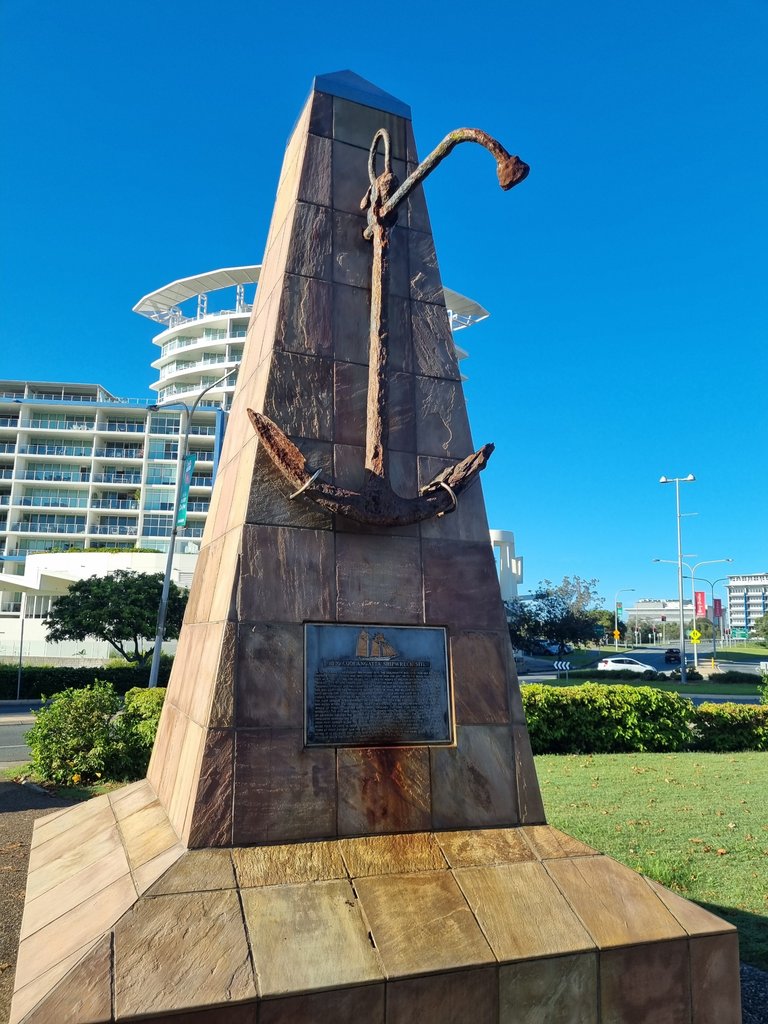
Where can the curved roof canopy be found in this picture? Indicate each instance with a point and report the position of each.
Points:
(158, 304)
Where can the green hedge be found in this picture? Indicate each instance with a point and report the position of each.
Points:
(602, 719)
(38, 681)
(726, 727)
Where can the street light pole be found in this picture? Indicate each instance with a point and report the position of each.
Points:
(624, 590)
(676, 481)
(712, 590)
(181, 456)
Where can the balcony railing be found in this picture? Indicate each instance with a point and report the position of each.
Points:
(8, 447)
(36, 501)
(6, 474)
(37, 423)
(7, 421)
(53, 475)
(203, 431)
(198, 506)
(117, 478)
(191, 531)
(162, 506)
(73, 451)
(119, 453)
(115, 503)
(201, 454)
(5, 499)
(114, 531)
(123, 428)
(49, 527)
(201, 481)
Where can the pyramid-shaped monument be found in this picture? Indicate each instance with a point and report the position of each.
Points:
(341, 819)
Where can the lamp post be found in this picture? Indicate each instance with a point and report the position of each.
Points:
(181, 456)
(712, 590)
(624, 590)
(676, 480)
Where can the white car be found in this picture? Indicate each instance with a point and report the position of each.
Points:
(623, 664)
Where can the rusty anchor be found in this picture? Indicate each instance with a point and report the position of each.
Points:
(377, 503)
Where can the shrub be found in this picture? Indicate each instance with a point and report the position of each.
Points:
(727, 727)
(596, 719)
(734, 676)
(37, 680)
(79, 736)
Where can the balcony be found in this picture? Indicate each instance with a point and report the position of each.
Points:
(198, 506)
(114, 531)
(5, 499)
(45, 424)
(128, 427)
(49, 527)
(8, 421)
(71, 451)
(201, 481)
(115, 503)
(50, 475)
(203, 431)
(36, 501)
(119, 453)
(6, 474)
(191, 531)
(9, 448)
(117, 478)
(201, 454)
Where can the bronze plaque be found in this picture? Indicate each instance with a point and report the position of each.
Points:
(376, 686)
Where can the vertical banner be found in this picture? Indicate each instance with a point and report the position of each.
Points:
(701, 604)
(189, 469)
(718, 609)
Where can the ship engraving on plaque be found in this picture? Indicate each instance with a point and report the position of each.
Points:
(376, 686)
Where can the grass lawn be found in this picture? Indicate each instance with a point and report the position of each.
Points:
(697, 823)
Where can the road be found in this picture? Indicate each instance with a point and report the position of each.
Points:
(15, 720)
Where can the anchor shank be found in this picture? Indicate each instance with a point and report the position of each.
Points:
(377, 432)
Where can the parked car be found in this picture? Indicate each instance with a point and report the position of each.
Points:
(624, 664)
(672, 656)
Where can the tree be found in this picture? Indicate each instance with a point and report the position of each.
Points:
(558, 614)
(760, 626)
(120, 608)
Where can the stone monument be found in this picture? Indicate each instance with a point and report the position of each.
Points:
(341, 819)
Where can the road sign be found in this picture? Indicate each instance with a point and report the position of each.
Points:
(619, 607)
(739, 632)
(695, 639)
(695, 635)
(616, 634)
(562, 666)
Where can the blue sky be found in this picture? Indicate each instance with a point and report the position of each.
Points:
(626, 277)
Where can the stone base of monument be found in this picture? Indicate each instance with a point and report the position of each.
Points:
(522, 924)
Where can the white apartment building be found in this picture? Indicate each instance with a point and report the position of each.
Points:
(747, 599)
(82, 469)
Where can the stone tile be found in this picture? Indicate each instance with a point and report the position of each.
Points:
(442, 427)
(378, 579)
(201, 684)
(269, 501)
(308, 937)
(241, 493)
(182, 951)
(164, 763)
(211, 819)
(434, 352)
(418, 215)
(84, 879)
(715, 987)
(383, 790)
(349, 463)
(342, 1006)
(469, 849)
(521, 911)
(547, 842)
(270, 675)
(147, 833)
(282, 791)
(185, 783)
(231, 1013)
(411, 151)
(352, 326)
(614, 903)
(309, 246)
(33, 995)
(645, 984)
(258, 866)
(405, 912)
(84, 993)
(468, 521)
(352, 255)
(225, 588)
(350, 177)
(301, 564)
(315, 181)
(693, 918)
(473, 784)
(300, 395)
(321, 114)
(73, 931)
(392, 855)
(222, 702)
(149, 872)
(529, 802)
(304, 322)
(461, 588)
(350, 407)
(81, 854)
(357, 124)
(85, 829)
(53, 825)
(454, 998)
(560, 990)
(197, 871)
(426, 285)
(479, 671)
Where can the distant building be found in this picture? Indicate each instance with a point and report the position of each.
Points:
(657, 611)
(747, 599)
(509, 566)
